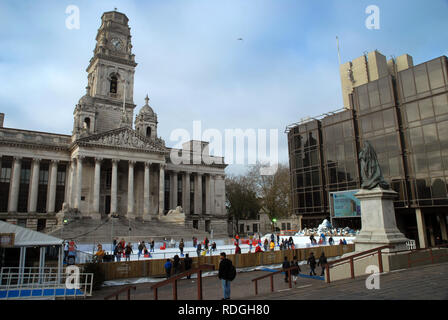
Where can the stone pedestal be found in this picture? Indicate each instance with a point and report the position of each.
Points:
(378, 224)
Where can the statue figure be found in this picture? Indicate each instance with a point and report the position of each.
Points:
(371, 174)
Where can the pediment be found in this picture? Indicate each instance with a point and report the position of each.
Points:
(125, 138)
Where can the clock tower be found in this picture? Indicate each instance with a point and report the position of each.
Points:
(108, 103)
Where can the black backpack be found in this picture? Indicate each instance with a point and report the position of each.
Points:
(232, 273)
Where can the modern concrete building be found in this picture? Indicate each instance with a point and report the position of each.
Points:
(403, 111)
(108, 166)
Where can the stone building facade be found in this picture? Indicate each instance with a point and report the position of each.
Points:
(107, 166)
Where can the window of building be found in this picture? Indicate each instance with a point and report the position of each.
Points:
(113, 84)
(148, 132)
(5, 175)
(435, 72)
(440, 104)
(426, 110)
(87, 123)
(421, 78)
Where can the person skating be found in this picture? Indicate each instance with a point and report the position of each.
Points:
(225, 275)
(322, 262)
(181, 247)
(199, 249)
(128, 251)
(295, 272)
(176, 264)
(285, 266)
(312, 262)
(188, 262)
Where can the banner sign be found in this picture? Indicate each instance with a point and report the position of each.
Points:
(345, 204)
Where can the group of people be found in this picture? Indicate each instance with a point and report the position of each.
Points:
(173, 266)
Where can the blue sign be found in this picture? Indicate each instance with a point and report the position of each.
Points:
(345, 204)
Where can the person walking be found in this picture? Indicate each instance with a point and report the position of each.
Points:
(118, 252)
(140, 249)
(226, 269)
(188, 262)
(114, 244)
(266, 244)
(272, 246)
(181, 247)
(152, 245)
(331, 241)
(199, 249)
(195, 242)
(312, 262)
(168, 267)
(237, 249)
(322, 262)
(295, 272)
(176, 264)
(285, 266)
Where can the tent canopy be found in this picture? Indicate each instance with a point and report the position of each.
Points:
(25, 237)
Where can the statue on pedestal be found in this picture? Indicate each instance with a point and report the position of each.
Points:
(371, 174)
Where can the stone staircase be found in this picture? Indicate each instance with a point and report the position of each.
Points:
(93, 231)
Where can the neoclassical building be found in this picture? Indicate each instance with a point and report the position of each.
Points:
(108, 166)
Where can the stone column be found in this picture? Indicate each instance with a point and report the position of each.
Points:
(77, 204)
(34, 185)
(207, 194)
(212, 194)
(198, 194)
(72, 184)
(146, 193)
(52, 186)
(67, 184)
(15, 184)
(113, 187)
(174, 197)
(130, 214)
(96, 189)
(443, 229)
(421, 228)
(161, 190)
(186, 193)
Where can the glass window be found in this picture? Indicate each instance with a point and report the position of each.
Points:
(314, 158)
(43, 177)
(430, 134)
(377, 121)
(435, 74)
(351, 170)
(445, 159)
(25, 176)
(392, 143)
(5, 175)
(440, 104)
(330, 152)
(423, 189)
(420, 162)
(407, 81)
(384, 165)
(315, 178)
(316, 199)
(309, 200)
(412, 112)
(307, 179)
(421, 78)
(384, 90)
(348, 129)
(363, 98)
(416, 137)
(389, 118)
(60, 180)
(349, 150)
(299, 179)
(366, 124)
(425, 107)
(340, 152)
(443, 134)
(438, 188)
(394, 166)
(374, 94)
(434, 161)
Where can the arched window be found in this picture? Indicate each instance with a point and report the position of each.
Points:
(87, 123)
(148, 132)
(113, 84)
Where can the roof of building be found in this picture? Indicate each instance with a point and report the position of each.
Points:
(24, 237)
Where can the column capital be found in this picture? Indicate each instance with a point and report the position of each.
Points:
(80, 158)
(55, 162)
(37, 160)
(99, 160)
(115, 161)
(148, 164)
(18, 159)
(163, 166)
(132, 162)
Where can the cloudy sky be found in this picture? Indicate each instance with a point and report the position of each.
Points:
(193, 66)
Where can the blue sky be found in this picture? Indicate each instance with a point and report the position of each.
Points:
(194, 68)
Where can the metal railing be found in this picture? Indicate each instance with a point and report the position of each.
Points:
(117, 293)
(173, 280)
(431, 257)
(42, 283)
(351, 260)
(271, 276)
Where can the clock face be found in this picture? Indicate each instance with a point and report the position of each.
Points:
(116, 44)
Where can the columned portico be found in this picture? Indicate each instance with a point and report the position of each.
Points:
(146, 191)
(130, 214)
(198, 194)
(34, 185)
(96, 188)
(113, 187)
(161, 190)
(186, 192)
(79, 163)
(211, 196)
(52, 186)
(15, 184)
(207, 194)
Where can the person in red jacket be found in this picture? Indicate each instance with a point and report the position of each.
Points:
(258, 249)
(237, 249)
